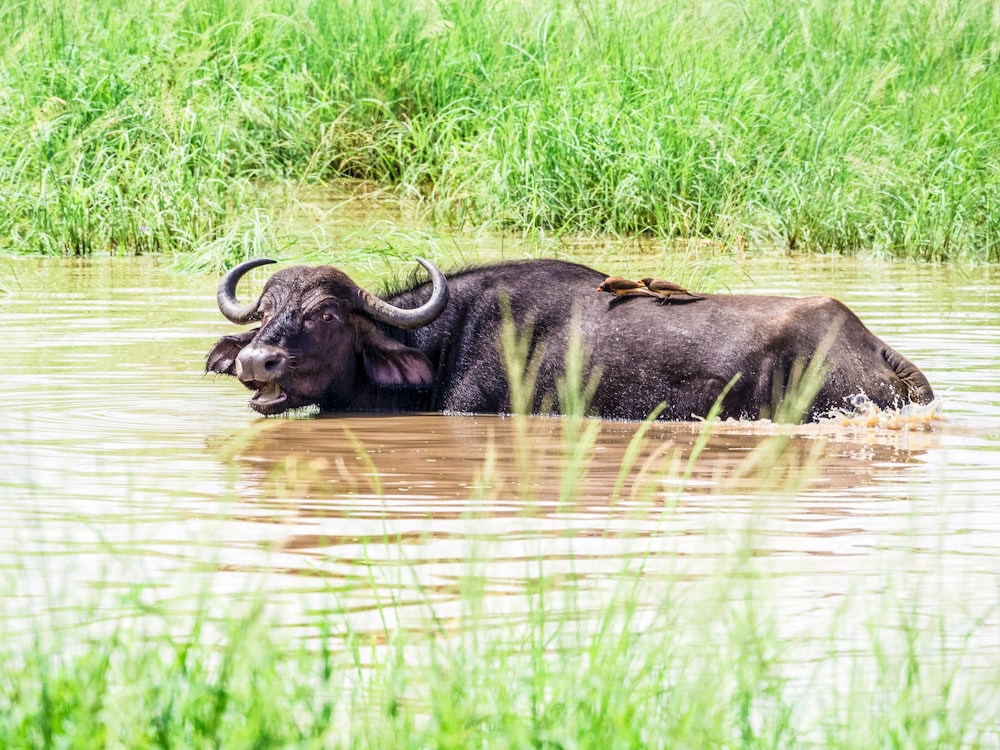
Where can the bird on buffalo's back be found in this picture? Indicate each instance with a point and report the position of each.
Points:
(624, 287)
(666, 290)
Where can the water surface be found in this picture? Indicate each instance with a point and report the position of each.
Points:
(125, 465)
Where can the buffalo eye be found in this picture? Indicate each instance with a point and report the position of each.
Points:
(324, 316)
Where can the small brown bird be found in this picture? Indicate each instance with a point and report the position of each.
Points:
(624, 287)
(665, 290)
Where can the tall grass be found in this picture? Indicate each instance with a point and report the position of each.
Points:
(634, 680)
(838, 126)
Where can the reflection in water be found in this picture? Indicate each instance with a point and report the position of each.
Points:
(124, 464)
(407, 503)
(521, 463)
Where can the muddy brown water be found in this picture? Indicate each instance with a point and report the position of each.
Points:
(123, 465)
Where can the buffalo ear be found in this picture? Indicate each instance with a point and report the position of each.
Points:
(223, 355)
(393, 365)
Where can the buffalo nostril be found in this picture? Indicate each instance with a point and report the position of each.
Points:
(260, 363)
(275, 364)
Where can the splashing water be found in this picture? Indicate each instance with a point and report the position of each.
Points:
(864, 413)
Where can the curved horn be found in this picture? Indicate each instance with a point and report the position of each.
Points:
(231, 307)
(416, 317)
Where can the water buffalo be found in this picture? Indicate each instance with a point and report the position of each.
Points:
(437, 346)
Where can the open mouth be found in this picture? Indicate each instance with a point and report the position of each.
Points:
(270, 399)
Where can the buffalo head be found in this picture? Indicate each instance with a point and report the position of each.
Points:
(320, 340)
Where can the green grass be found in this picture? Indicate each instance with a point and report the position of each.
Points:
(634, 679)
(841, 126)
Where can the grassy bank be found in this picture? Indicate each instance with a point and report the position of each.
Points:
(834, 126)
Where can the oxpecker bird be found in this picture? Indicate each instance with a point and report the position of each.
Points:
(624, 287)
(666, 290)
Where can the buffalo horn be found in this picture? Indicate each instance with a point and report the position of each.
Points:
(229, 306)
(416, 317)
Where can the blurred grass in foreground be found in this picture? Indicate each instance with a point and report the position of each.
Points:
(707, 670)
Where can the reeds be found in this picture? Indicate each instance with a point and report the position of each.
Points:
(821, 127)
